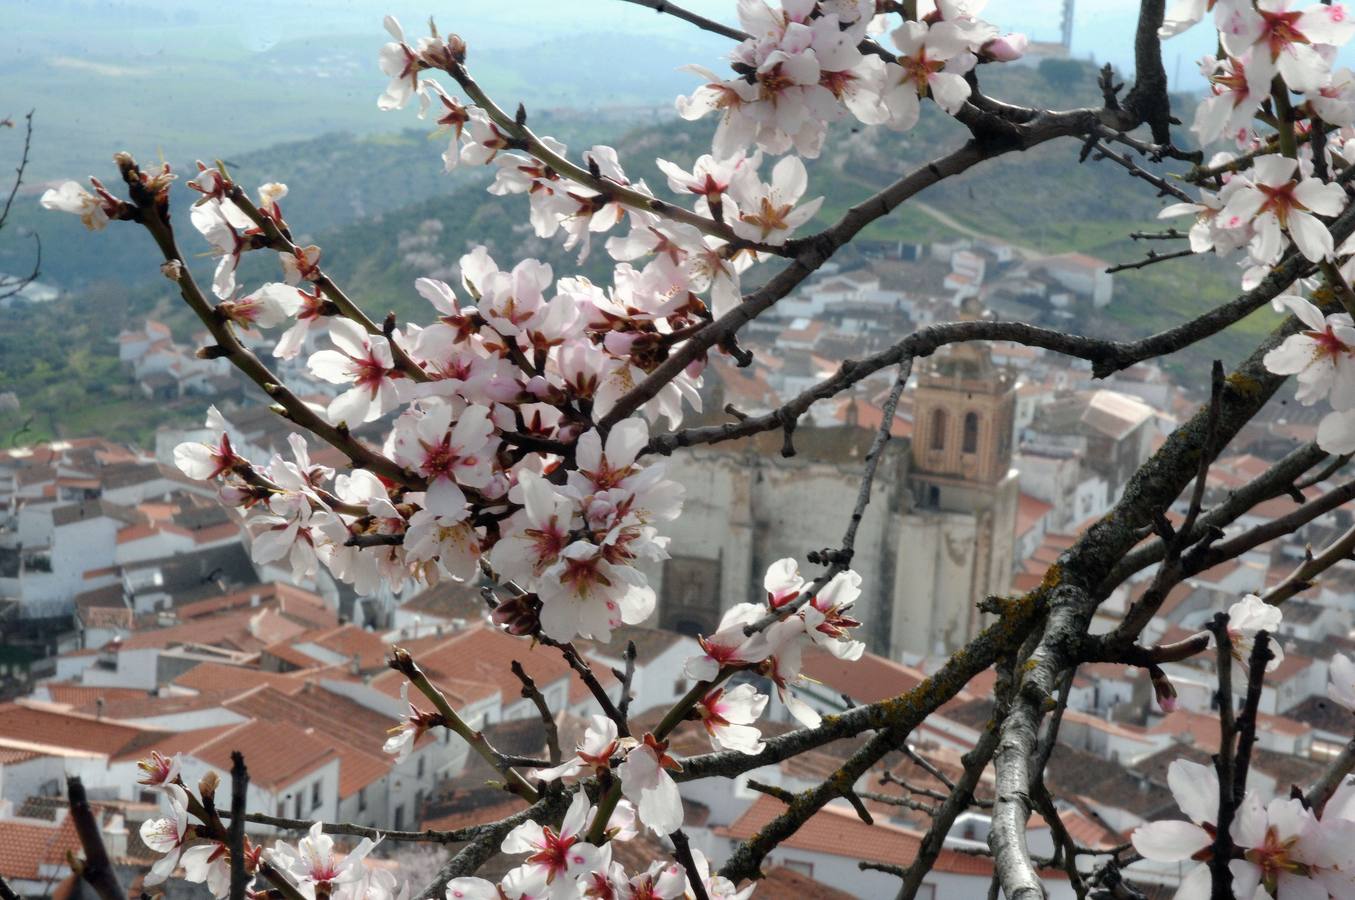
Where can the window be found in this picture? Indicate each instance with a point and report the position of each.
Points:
(362, 799)
(315, 795)
(420, 769)
(971, 433)
(296, 805)
(938, 429)
(282, 808)
(399, 818)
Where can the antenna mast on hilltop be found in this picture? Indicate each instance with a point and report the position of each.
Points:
(1067, 39)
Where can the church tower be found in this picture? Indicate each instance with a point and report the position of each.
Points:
(957, 540)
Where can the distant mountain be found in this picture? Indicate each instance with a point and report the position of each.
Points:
(385, 213)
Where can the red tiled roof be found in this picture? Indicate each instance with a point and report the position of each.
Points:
(210, 676)
(32, 728)
(839, 832)
(277, 753)
(865, 680)
(26, 846)
(354, 731)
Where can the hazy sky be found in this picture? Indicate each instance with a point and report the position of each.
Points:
(178, 77)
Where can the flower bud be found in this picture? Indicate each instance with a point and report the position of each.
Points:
(519, 616)
(1163, 690)
(1006, 48)
(207, 786)
(172, 269)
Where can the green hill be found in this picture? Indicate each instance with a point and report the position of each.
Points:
(385, 213)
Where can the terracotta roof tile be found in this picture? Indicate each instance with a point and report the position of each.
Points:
(277, 753)
(25, 847)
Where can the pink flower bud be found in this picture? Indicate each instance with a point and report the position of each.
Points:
(1163, 689)
(1006, 48)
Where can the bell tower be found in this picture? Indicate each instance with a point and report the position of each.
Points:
(963, 412)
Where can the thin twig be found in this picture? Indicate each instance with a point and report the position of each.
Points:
(532, 693)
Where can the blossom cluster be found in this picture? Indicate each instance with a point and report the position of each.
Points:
(1287, 848)
(763, 641)
(1275, 66)
(559, 862)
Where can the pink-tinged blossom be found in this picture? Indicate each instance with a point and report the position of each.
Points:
(1206, 232)
(728, 717)
(400, 63)
(481, 139)
(448, 455)
(226, 242)
(558, 859)
(709, 177)
(1287, 851)
(931, 61)
(471, 888)
(210, 864)
(662, 881)
(1196, 789)
(730, 100)
(717, 886)
(782, 666)
(453, 117)
(302, 264)
(1341, 681)
(646, 783)
(310, 308)
(1005, 48)
(1181, 15)
(594, 752)
(165, 835)
(535, 536)
(729, 646)
(158, 771)
(1235, 97)
(1334, 102)
(70, 197)
(364, 361)
(1247, 618)
(269, 306)
(827, 618)
(413, 725)
(293, 530)
(315, 866)
(1320, 356)
(206, 462)
(584, 594)
(1275, 200)
(768, 213)
(1283, 40)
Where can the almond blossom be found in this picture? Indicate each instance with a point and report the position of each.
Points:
(1246, 619)
(364, 361)
(226, 243)
(158, 771)
(1320, 356)
(70, 197)
(728, 717)
(207, 462)
(167, 835)
(269, 306)
(1286, 850)
(315, 866)
(767, 213)
(594, 751)
(1341, 681)
(932, 61)
(1196, 789)
(646, 783)
(413, 725)
(558, 858)
(1236, 95)
(1275, 201)
(401, 64)
(448, 454)
(729, 646)
(1283, 41)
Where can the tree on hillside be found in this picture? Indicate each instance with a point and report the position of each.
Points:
(533, 413)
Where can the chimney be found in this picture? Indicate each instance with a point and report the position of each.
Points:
(355, 665)
(98, 708)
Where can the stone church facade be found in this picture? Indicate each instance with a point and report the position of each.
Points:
(937, 537)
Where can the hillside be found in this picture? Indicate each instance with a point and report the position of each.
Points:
(385, 213)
